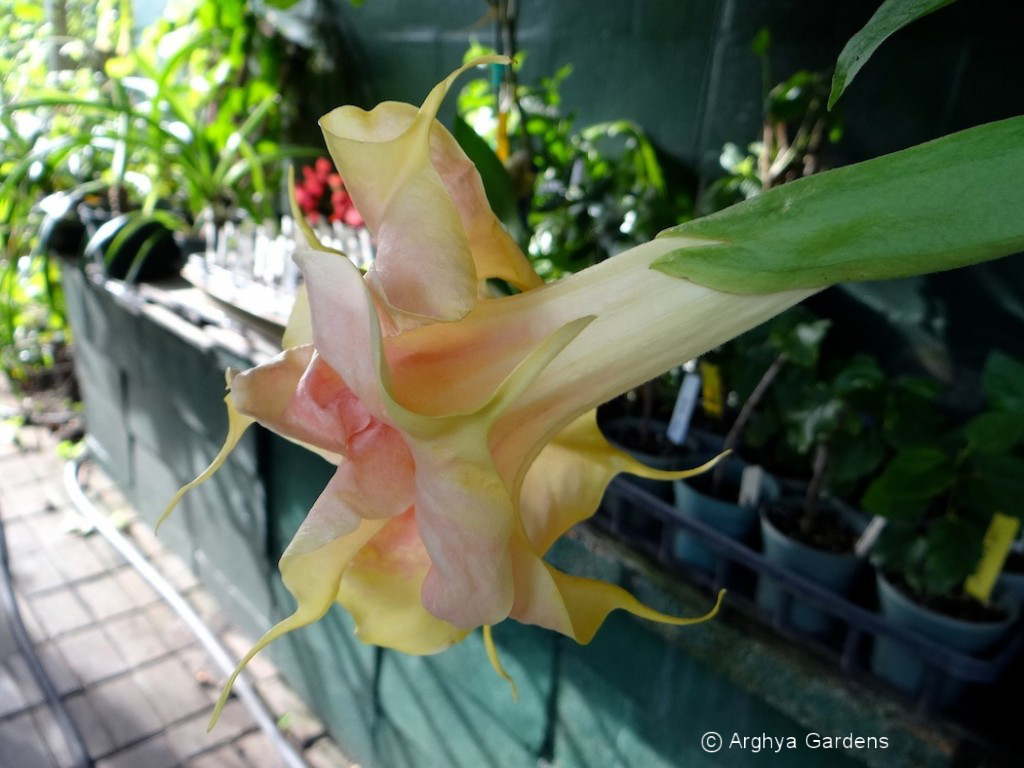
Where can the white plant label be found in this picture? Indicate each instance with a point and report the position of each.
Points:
(686, 401)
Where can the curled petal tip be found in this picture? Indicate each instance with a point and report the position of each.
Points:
(492, 656)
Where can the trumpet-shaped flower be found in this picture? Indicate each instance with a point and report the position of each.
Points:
(461, 424)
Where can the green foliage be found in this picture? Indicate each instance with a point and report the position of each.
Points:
(188, 118)
(940, 491)
(201, 109)
(795, 128)
(585, 194)
(892, 16)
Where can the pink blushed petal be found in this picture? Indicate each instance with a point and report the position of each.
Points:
(425, 202)
(423, 265)
(377, 477)
(324, 408)
(465, 512)
(343, 318)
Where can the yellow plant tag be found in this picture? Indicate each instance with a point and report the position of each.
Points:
(995, 547)
(711, 390)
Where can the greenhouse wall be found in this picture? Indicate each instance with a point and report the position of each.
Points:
(685, 69)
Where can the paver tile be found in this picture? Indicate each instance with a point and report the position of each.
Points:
(90, 725)
(46, 724)
(125, 711)
(11, 699)
(190, 738)
(59, 612)
(257, 751)
(133, 678)
(31, 498)
(296, 719)
(138, 590)
(91, 655)
(57, 667)
(169, 626)
(21, 744)
(75, 559)
(136, 638)
(20, 535)
(51, 528)
(176, 572)
(324, 753)
(154, 752)
(172, 690)
(16, 670)
(104, 597)
(34, 572)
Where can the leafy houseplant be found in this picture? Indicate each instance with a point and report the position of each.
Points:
(940, 498)
(583, 194)
(796, 128)
(189, 120)
(833, 423)
(756, 368)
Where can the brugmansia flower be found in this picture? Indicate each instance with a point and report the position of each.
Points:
(462, 424)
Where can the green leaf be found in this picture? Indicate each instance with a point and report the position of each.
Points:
(762, 42)
(1003, 382)
(119, 67)
(892, 16)
(954, 549)
(860, 375)
(993, 483)
(894, 549)
(993, 432)
(940, 205)
(802, 342)
(909, 483)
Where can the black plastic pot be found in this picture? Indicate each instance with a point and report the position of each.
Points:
(135, 249)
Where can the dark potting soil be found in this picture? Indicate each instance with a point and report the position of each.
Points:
(958, 605)
(825, 531)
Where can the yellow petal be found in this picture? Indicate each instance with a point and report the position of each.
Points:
(565, 484)
(381, 589)
(423, 267)
(572, 605)
(589, 602)
(492, 656)
(311, 568)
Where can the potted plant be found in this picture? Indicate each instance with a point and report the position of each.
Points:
(834, 423)
(941, 498)
(776, 356)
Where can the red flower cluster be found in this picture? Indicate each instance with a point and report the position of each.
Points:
(311, 191)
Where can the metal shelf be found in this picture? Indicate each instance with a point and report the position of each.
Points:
(651, 525)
